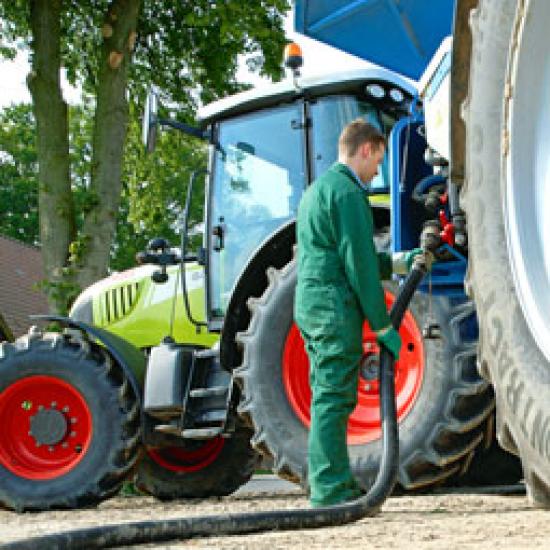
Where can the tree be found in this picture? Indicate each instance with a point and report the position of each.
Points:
(114, 49)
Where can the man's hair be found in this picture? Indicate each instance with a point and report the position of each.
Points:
(355, 134)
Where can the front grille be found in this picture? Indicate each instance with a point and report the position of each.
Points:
(117, 302)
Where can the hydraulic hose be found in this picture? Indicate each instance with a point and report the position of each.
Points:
(232, 524)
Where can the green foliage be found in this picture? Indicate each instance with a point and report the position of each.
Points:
(18, 175)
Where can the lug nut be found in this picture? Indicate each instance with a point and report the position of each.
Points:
(65, 409)
(53, 404)
(50, 448)
(73, 420)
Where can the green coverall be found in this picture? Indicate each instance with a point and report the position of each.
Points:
(338, 287)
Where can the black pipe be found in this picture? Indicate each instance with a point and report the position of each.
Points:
(233, 524)
(183, 229)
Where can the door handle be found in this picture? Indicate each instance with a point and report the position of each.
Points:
(219, 232)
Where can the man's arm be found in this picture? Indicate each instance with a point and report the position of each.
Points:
(353, 228)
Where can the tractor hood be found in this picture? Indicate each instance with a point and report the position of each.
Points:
(401, 35)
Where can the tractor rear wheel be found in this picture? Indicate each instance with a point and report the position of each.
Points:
(506, 197)
(198, 469)
(70, 424)
(443, 406)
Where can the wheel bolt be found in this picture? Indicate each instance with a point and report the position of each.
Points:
(64, 444)
(73, 434)
(54, 404)
(38, 444)
(73, 420)
(50, 448)
(40, 407)
(65, 409)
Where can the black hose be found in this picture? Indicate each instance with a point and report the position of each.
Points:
(233, 524)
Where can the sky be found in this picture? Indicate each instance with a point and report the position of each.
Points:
(318, 59)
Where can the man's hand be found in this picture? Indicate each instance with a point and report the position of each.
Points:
(390, 339)
(403, 261)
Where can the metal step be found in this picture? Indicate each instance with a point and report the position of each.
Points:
(215, 415)
(201, 433)
(216, 391)
(207, 353)
(168, 429)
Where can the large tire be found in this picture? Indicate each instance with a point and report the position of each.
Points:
(70, 424)
(439, 429)
(199, 469)
(508, 91)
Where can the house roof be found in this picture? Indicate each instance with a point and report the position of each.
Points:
(20, 272)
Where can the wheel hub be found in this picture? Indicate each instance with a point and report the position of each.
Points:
(364, 423)
(368, 368)
(48, 426)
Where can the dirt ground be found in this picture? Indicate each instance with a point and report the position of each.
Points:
(455, 519)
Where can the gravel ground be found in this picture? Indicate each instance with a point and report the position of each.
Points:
(456, 519)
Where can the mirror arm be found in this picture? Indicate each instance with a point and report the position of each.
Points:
(186, 128)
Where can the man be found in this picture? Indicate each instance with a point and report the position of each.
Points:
(338, 288)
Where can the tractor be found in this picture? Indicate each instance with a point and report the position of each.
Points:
(128, 392)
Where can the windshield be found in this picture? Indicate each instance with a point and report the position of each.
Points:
(259, 177)
(330, 115)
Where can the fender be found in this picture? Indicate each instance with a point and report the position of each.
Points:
(131, 359)
(276, 250)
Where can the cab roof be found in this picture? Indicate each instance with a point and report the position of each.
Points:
(314, 86)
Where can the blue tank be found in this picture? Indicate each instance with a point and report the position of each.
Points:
(401, 35)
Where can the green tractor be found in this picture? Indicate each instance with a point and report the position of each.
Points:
(199, 401)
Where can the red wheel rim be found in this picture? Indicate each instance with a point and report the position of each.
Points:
(364, 422)
(21, 405)
(178, 459)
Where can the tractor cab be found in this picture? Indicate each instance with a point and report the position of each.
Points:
(266, 147)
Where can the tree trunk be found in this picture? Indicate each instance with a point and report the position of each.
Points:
(57, 225)
(111, 119)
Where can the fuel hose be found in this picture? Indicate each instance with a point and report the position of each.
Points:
(141, 532)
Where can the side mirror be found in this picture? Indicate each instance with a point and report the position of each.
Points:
(150, 121)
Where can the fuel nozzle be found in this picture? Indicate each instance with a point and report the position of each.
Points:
(430, 241)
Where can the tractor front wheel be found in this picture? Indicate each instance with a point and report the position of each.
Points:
(70, 424)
